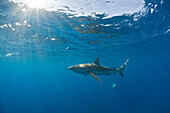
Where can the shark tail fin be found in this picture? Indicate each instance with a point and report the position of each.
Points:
(120, 70)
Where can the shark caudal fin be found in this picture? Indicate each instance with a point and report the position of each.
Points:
(120, 70)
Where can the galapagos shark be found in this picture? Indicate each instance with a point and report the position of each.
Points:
(95, 68)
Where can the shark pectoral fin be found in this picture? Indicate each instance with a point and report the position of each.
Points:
(93, 75)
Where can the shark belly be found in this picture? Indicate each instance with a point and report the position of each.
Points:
(86, 72)
(101, 73)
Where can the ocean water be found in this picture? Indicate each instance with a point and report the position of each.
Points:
(37, 46)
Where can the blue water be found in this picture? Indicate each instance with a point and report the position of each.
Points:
(36, 49)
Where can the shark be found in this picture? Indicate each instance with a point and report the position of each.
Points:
(95, 68)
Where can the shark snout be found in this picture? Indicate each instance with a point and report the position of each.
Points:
(70, 68)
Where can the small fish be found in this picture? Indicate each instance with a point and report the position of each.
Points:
(114, 85)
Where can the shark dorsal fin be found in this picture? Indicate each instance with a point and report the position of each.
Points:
(97, 61)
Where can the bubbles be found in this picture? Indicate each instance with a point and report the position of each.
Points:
(11, 54)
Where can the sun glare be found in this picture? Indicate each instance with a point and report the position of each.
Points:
(37, 3)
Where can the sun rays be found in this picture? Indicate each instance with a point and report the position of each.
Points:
(37, 28)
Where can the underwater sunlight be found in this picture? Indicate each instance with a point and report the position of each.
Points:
(84, 56)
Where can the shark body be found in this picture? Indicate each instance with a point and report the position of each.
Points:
(95, 68)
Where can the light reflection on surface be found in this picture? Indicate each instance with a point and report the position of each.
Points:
(37, 3)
